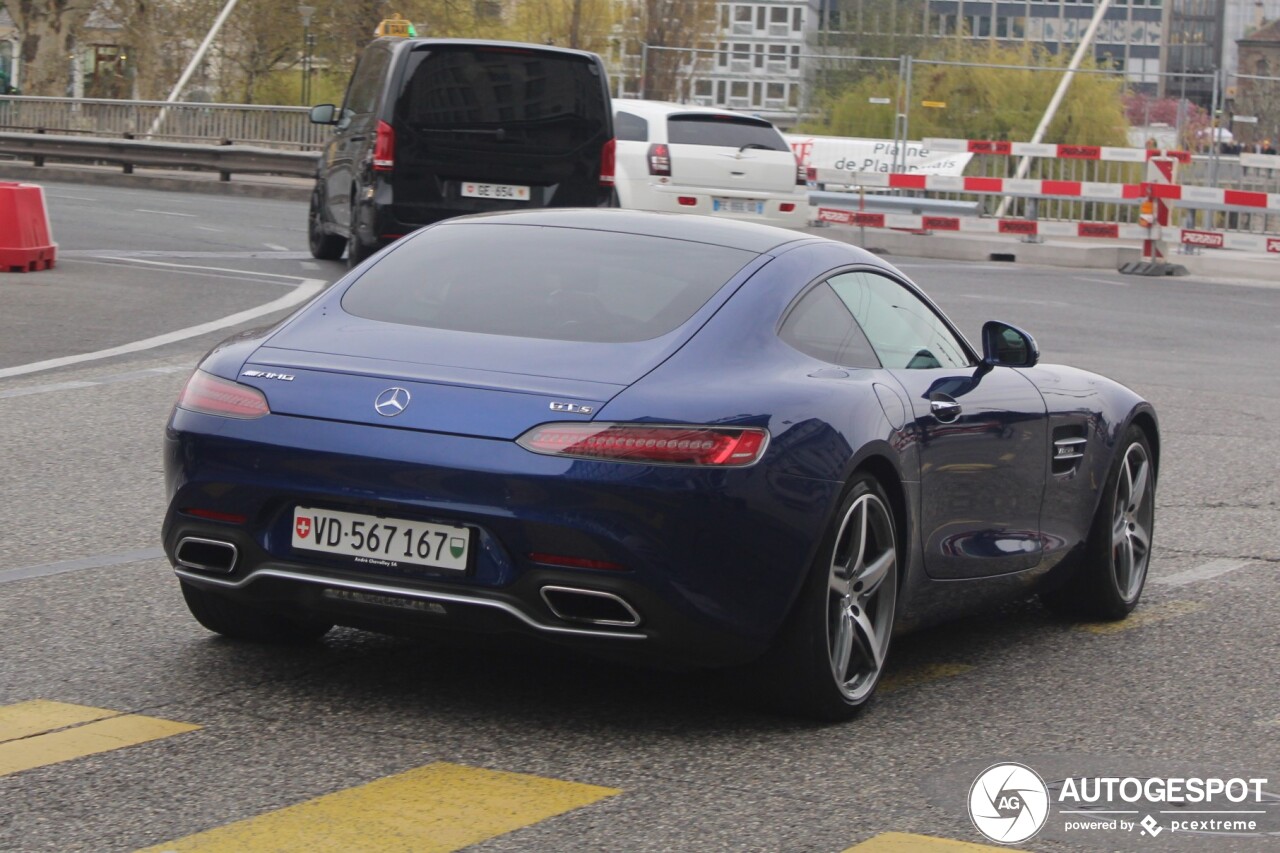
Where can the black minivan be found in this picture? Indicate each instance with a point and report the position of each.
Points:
(434, 128)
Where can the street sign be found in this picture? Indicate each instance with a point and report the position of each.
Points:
(1244, 119)
(933, 105)
(879, 101)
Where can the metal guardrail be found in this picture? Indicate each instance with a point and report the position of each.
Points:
(128, 153)
(245, 124)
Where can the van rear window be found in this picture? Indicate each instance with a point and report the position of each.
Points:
(726, 131)
(503, 98)
(553, 283)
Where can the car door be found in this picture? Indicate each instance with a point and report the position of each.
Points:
(354, 134)
(980, 432)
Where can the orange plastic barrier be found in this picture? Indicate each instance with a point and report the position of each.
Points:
(25, 242)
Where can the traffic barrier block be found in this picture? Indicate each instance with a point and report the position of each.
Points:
(25, 242)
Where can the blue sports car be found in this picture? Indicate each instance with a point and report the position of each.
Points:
(656, 436)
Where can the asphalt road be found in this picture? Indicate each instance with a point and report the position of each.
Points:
(610, 758)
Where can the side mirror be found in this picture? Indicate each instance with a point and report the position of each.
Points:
(324, 114)
(1007, 346)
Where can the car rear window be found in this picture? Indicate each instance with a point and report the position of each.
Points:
(727, 131)
(543, 282)
(511, 99)
(630, 127)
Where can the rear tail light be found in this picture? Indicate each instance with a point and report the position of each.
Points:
(687, 200)
(384, 148)
(216, 515)
(566, 561)
(802, 173)
(786, 207)
(720, 447)
(659, 160)
(608, 163)
(212, 395)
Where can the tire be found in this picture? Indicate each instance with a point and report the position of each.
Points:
(229, 618)
(831, 653)
(1109, 581)
(357, 251)
(324, 246)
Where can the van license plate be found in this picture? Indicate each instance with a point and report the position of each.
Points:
(509, 192)
(738, 205)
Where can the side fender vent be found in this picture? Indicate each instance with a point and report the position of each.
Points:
(1068, 449)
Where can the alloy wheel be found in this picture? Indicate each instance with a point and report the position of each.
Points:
(862, 593)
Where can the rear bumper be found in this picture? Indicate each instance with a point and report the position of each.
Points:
(708, 562)
(645, 195)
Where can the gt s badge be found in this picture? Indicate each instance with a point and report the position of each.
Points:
(572, 408)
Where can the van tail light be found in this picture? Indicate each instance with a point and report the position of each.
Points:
(802, 173)
(384, 148)
(703, 446)
(659, 160)
(786, 207)
(608, 162)
(213, 395)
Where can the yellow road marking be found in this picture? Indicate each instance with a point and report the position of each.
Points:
(902, 842)
(1145, 616)
(26, 747)
(433, 809)
(921, 675)
(25, 719)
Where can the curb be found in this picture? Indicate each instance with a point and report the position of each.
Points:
(250, 186)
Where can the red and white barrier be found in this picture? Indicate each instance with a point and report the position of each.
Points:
(1060, 152)
(974, 225)
(991, 186)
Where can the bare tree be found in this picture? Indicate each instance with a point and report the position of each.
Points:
(668, 34)
(49, 29)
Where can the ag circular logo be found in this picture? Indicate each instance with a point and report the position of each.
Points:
(1008, 803)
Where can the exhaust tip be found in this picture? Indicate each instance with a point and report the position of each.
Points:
(590, 606)
(206, 555)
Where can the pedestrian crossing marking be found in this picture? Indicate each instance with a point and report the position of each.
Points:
(38, 733)
(433, 809)
(902, 842)
(895, 681)
(38, 716)
(1144, 616)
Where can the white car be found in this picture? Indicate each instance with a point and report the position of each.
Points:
(689, 159)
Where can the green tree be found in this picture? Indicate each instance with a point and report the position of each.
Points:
(989, 92)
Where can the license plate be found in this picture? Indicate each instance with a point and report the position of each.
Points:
(388, 542)
(509, 192)
(738, 205)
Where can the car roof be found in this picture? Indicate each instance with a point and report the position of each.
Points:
(665, 108)
(424, 43)
(732, 234)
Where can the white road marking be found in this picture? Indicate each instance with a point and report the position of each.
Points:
(306, 288)
(131, 376)
(1018, 301)
(1102, 281)
(163, 212)
(1211, 569)
(210, 228)
(40, 571)
(276, 247)
(72, 197)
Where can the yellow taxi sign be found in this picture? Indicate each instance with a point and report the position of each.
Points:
(394, 26)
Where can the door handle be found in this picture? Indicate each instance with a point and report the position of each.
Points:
(945, 410)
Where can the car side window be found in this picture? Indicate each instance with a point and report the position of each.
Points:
(630, 127)
(821, 326)
(362, 94)
(902, 329)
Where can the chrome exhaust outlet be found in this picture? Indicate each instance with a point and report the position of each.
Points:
(590, 606)
(206, 555)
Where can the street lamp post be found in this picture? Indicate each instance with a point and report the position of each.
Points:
(308, 43)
